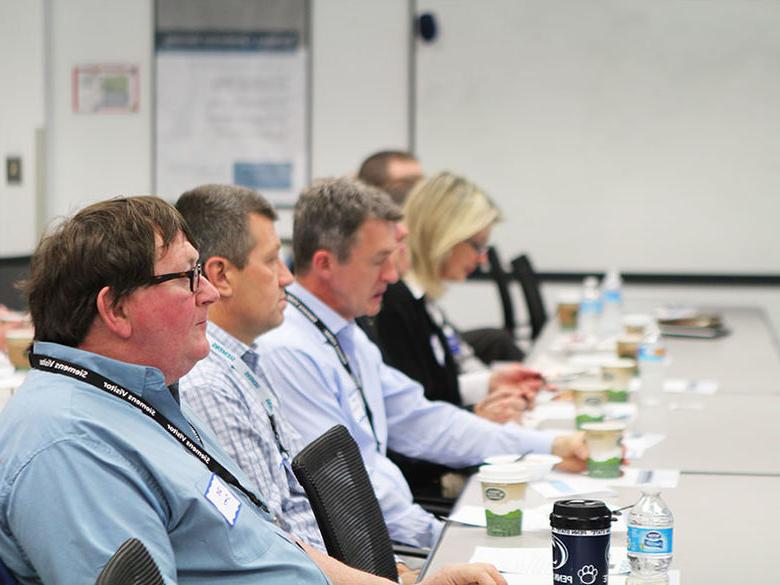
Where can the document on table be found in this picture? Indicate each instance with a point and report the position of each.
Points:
(534, 519)
(564, 485)
(532, 566)
(681, 386)
(637, 443)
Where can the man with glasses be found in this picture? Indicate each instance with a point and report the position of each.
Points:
(95, 447)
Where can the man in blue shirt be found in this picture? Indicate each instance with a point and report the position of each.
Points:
(94, 446)
(327, 372)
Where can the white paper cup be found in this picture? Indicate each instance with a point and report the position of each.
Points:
(503, 493)
(605, 448)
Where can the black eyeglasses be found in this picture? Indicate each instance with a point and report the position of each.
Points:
(480, 249)
(193, 274)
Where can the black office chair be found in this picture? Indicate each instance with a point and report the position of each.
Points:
(524, 273)
(502, 285)
(332, 472)
(131, 564)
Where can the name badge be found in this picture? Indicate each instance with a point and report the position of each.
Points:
(223, 499)
(356, 406)
(438, 350)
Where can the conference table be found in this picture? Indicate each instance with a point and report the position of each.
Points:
(723, 444)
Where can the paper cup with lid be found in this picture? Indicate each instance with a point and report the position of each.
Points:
(503, 493)
(617, 374)
(590, 400)
(605, 448)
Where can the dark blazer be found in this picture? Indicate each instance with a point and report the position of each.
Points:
(406, 334)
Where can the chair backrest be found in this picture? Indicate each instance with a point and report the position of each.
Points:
(131, 564)
(502, 285)
(524, 272)
(332, 472)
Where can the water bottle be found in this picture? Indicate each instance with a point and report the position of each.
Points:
(612, 297)
(589, 316)
(650, 527)
(651, 360)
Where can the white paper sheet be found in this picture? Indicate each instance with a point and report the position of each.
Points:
(637, 443)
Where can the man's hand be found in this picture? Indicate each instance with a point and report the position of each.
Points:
(504, 404)
(472, 573)
(573, 450)
(516, 375)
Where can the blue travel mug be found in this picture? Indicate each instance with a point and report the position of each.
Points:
(580, 541)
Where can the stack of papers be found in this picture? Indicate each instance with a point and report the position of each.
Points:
(532, 566)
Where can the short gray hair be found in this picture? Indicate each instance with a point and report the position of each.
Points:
(329, 214)
(218, 217)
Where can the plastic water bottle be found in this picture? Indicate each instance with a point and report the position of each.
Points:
(612, 297)
(651, 359)
(589, 316)
(650, 527)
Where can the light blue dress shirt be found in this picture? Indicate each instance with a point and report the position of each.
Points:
(234, 411)
(82, 471)
(318, 393)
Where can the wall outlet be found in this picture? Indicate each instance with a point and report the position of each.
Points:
(13, 170)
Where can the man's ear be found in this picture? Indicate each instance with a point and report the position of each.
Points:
(219, 271)
(114, 315)
(323, 263)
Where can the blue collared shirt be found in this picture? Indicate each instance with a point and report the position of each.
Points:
(318, 393)
(234, 411)
(82, 471)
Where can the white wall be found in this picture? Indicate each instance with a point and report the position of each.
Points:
(94, 156)
(360, 85)
(21, 113)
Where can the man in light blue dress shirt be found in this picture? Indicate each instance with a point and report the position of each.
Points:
(95, 447)
(327, 372)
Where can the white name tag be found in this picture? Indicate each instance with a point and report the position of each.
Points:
(438, 350)
(223, 499)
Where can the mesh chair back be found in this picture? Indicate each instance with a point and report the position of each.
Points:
(524, 272)
(502, 284)
(131, 564)
(332, 472)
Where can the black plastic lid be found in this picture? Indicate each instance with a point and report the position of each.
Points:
(579, 514)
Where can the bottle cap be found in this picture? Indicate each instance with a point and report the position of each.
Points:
(579, 514)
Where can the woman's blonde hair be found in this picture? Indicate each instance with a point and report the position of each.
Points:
(441, 212)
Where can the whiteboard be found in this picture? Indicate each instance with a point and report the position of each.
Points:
(635, 133)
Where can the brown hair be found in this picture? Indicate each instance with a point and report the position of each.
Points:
(329, 214)
(374, 171)
(218, 216)
(111, 243)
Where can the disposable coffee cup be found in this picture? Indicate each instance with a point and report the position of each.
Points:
(567, 309)
(590, 400)
(580, 541)
(503, 493)
(635, 324)
(628, 346)
(605, 448)
(18, 342)
(617, 374)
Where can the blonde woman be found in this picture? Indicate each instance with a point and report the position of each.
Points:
(449, 220)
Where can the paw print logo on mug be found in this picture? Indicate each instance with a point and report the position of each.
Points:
(588, 574)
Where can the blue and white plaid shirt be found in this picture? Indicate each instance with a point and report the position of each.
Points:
(236, 415)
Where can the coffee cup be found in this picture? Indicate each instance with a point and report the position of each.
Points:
(628, 346)
(635, 324)
(17, 342)
(567, 309)
(605, 448)
(580, 541)
(617, 374)
(590, 400)
(503, 493)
